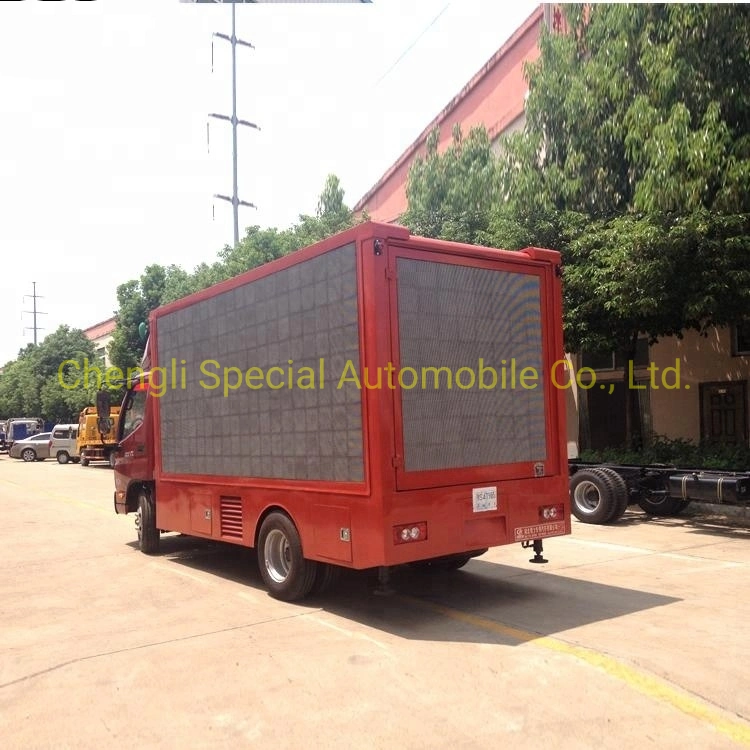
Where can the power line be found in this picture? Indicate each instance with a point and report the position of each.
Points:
(412, 45)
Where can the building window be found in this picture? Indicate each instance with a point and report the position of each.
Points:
(616, 361)
(741, 339)
(101, 352)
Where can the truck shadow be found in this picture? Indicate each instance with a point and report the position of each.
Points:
(484, 602)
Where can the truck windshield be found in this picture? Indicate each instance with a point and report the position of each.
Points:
(135, 408)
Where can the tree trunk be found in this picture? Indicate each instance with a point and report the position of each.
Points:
(632, 429)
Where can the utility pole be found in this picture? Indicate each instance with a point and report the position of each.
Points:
(34, 312)
(234, 200)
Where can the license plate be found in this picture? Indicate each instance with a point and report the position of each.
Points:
(484, 498)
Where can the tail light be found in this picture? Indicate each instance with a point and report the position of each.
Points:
(551, 512)
(410, 532)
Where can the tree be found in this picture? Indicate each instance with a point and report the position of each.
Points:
(35, 383)
(452, 194)
(634, 162)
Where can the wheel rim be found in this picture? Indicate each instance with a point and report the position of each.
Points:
(28, 455)
(586, 497)
(278, 556)
(138, 523)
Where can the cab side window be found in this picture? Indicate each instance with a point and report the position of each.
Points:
(134, 412)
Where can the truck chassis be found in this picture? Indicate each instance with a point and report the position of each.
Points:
(601, 493)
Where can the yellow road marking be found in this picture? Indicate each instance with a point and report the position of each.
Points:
(646, 684)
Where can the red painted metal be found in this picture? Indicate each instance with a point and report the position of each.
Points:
(352, 523)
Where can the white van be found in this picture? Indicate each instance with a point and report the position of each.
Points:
(63, 443)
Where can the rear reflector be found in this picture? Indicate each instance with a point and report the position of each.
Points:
(410, 532)
(551, 512)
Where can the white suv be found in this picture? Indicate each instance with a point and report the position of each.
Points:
(63, 443)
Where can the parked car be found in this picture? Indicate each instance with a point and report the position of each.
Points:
(63, 445)
(35, 448)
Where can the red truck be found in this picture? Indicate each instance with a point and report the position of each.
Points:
(373, 400)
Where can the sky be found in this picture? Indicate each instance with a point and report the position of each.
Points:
(105, 165)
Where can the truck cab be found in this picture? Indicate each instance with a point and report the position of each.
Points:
(134, 463)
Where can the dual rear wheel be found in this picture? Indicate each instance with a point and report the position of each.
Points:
(599, 495)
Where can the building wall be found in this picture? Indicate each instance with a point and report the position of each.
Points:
(494, 98)
(100, 335)
(677, 413)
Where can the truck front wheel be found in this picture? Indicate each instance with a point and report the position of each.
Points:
(145, 523)
(285, 572)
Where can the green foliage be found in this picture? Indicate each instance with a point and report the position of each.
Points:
(32, 385)
(678, 452)
(451, 194)
(634, 163)
(636, 152)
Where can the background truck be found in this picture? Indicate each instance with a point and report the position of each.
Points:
(374, 400)
(601, 493)
(19, 428)
(93, 443)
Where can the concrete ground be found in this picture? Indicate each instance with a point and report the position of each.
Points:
(634, 635)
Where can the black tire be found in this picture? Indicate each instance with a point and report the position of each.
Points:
(285, 571)
(63, 457)
(84, 462)
(28, 455)
(593, 496)
(661, 505)
(326, 578)
(145, 523)
(622, 495)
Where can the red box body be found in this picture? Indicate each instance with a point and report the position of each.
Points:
(473, 466)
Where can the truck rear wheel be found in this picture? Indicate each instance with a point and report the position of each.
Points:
(593, 496)
(84, 461)
(286, 573)
(620, 488)
(145, 523)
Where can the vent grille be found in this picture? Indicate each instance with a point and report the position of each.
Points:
(231, 517)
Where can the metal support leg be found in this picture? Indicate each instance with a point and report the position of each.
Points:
(538, 549)
(384, 582)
